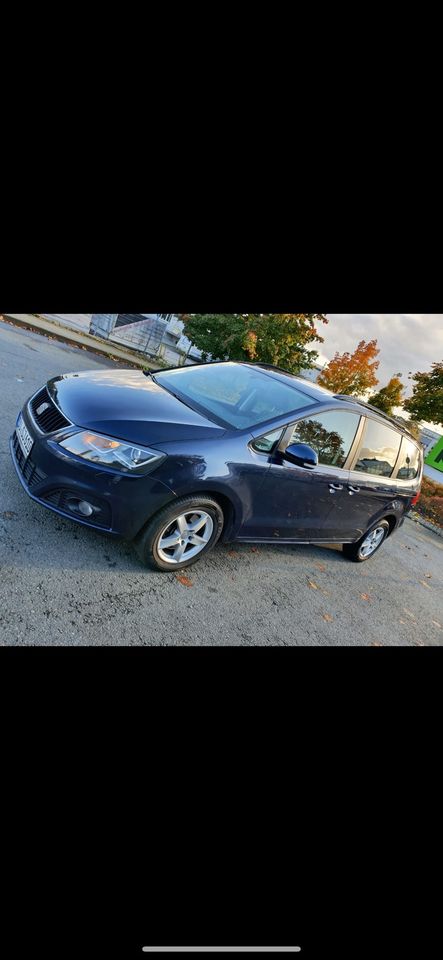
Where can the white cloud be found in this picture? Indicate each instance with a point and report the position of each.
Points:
(408, 342)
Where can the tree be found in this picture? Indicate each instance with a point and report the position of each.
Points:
(410, 425)
(426, 402)
(389, 396)
(352, 373)
(278, 338)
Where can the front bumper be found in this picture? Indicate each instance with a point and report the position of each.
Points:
(53, 478)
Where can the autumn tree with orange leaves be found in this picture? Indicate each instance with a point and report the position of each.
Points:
(352, 373)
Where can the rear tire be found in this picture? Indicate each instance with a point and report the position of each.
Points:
(368, 544)
(180, 534)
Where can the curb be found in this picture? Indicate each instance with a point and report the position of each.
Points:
(58, 332)
(425, 523)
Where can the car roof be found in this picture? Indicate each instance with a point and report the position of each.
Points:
(321, 394)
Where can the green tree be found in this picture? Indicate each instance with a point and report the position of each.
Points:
(389, 396)
(410, 425)
(426, 402)
(352, 373)
(282, 339)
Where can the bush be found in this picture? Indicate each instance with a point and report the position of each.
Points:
(430, 504)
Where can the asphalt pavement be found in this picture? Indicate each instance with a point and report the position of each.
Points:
(62, 584)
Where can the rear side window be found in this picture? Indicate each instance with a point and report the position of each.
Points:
(409, 463)
(330, 434)
(379, 449)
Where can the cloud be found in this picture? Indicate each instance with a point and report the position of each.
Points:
(408, 342)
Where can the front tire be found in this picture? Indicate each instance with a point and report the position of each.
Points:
(180, 534)
(368, 544)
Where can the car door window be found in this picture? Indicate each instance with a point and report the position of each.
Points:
(330, 434)
(409, 462)
(379, 449)
(267, 442)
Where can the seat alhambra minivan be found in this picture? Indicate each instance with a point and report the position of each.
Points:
(179, 459)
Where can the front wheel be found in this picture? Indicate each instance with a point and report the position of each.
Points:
(180, 534)
(368, 544)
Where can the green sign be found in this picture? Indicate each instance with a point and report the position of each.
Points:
(435, 456)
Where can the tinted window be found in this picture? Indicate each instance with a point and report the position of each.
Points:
(239, 395)
(267, 443)
(379, 450)
(409, 463)
(330, 434)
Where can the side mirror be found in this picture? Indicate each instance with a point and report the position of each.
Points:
(301, 455)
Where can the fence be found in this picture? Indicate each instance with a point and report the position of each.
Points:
(157, 335)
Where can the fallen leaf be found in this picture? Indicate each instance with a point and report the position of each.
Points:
(185, 581)
(428, 576)
(365, 596)
(327, 617)
(8, 515)
(232, 553)
(255, 550)
(418, 643)
(376, 643)
(424, 584)
(437, 624)
(312, 585)
(403, 621)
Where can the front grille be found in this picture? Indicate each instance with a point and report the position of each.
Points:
(60, 498)
(30, 472)
(46, 414)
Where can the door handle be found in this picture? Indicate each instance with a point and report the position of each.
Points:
(352, 489)
(335, 486)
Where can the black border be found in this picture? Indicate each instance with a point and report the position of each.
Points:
(247, 794)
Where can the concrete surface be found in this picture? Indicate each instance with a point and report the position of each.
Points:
(64, 584)
(81, 339)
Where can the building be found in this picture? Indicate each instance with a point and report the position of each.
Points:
(157, 334)
(428, 438)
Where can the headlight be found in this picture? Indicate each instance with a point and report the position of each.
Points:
(110, 452)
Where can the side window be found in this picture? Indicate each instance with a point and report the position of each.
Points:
(409, 463)
(379, 449)
(267, 443)
(330, 434)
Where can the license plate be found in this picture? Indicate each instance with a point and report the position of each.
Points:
(24, 437)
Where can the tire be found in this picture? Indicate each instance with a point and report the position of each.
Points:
(358, 551)
(167, 541)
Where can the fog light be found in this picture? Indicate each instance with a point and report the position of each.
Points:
(85, 508)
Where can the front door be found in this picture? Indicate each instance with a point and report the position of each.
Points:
(302, 504)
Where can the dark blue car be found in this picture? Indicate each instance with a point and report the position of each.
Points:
(182, 458)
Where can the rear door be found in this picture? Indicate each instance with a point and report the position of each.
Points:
(372, 487)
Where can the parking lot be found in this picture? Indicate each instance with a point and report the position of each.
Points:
(62, 584)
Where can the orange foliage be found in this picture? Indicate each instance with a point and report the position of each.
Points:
(352, 373)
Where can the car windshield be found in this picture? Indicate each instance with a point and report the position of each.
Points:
(238, 395)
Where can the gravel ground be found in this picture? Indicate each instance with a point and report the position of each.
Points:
(63, 584)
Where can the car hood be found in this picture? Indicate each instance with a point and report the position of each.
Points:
(128, 405)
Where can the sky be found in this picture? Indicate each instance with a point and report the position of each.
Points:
(407, 341)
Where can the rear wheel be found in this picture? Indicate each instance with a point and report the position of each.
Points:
(181, 533)
(368, 544)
